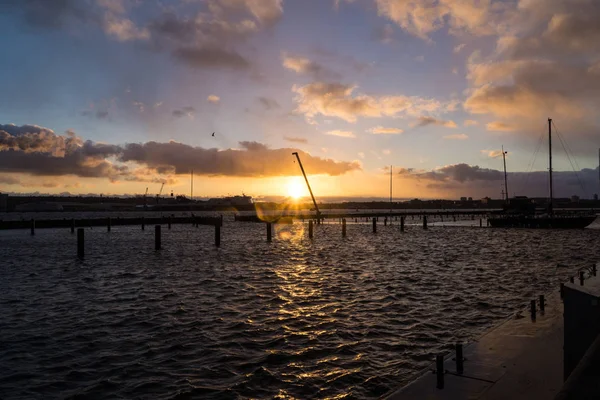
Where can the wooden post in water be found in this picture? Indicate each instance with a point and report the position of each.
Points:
(108, 224)
(374, 225)
(581, 278)
(310, 229)
(533, 310)
(80, 243)
(439, 371)
(385, 221)
(169, 222)
(32, 226)
(218, 235)
(459, 358)
(143, 223)
(480, 223)
(401, 224)
(157, 237)
(343, 227)
(594, 270)
(542, 303)
(72, 225)
(425, 222)
(269, 232)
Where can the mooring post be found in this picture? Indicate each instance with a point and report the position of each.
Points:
(401, 224)
(424, 221)
(532, 309)
(344, 227)
(385, 221)
(310, 229)
(143, 223)
(80, 243)
(169, 222)
(572, 279)
(542, 303)
(459, 358)
(581, 278)
(218, 235)
(480, 223)
(374, 225)
(157, 237)
(269, 232)
(32, 223)
(439, 371)
(108, 223)
(72, 225)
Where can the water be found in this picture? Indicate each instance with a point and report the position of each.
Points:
(332, 318)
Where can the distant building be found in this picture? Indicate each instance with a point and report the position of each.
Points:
(463, 199)
(485, 200)
(470, 199)
(3, 202)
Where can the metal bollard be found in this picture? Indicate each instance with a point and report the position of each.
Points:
(542, 303)
(80, 243)
(157, 237)
(459, 358)
(439, 371)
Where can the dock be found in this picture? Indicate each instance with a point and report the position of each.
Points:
(528, 356)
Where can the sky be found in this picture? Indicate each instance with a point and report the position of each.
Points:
(116, 96)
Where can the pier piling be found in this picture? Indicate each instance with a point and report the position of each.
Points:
(344, 227)
(385, 221)
(401, 224)
(143, 223)
(562, 290)
(459, 358)
(542, 303)
(594, 271)
(108, 224)
(572, 279)
(439, 371)
(480, 223)
(425, 222)
(310, 229)
(157, 237)
(80, 243)
(581, 277)
(374, 225)
(218, 235)
(532, 309)
(32, 226)
(269, 232)
(72, 225)
(169, 223)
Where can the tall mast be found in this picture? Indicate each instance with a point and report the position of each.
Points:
(504, 153)
(192, 187)
(551, 208)
(391, 166)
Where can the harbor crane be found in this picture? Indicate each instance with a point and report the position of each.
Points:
(308, 184)
(160, 192)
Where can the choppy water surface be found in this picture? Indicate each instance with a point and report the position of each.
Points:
(332, 318)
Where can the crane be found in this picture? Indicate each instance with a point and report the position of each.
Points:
(160, 192)
(308, 184)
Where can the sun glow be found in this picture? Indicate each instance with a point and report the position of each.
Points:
(295, 190)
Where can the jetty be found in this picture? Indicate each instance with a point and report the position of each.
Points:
(550, 350)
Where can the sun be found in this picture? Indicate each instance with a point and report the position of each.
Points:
(295, 189)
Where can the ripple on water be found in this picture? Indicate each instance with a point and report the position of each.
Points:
(332, 317)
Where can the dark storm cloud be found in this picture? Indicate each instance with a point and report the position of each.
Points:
(211, 57)
(50, 13)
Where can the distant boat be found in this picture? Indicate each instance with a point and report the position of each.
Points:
(520, 213)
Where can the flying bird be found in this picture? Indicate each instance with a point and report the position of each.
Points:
(213, 134)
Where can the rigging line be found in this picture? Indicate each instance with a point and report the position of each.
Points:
(563, 141)
(534, 156)
(569, 149)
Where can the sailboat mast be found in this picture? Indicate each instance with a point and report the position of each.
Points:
(391, 187)
(504, 153)
(192, 186)
(551, 208)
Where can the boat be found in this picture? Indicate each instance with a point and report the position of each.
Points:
(521, 213)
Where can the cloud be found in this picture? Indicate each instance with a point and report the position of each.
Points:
(455, 172)
(211, 57)
(361, 154)
(268, 103)
(346, 134)
(458, 136)
(338, 100)
(380, 130)
(295, 140)
(384, 33)
(123, 29)
(44, 14)
(427, 120)
(266, 12)
(213, 99)
(470, 122)
(304, 66)
(459, 47)
(499, 127)
(492, 153)
(189, 112)
(39, 151)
